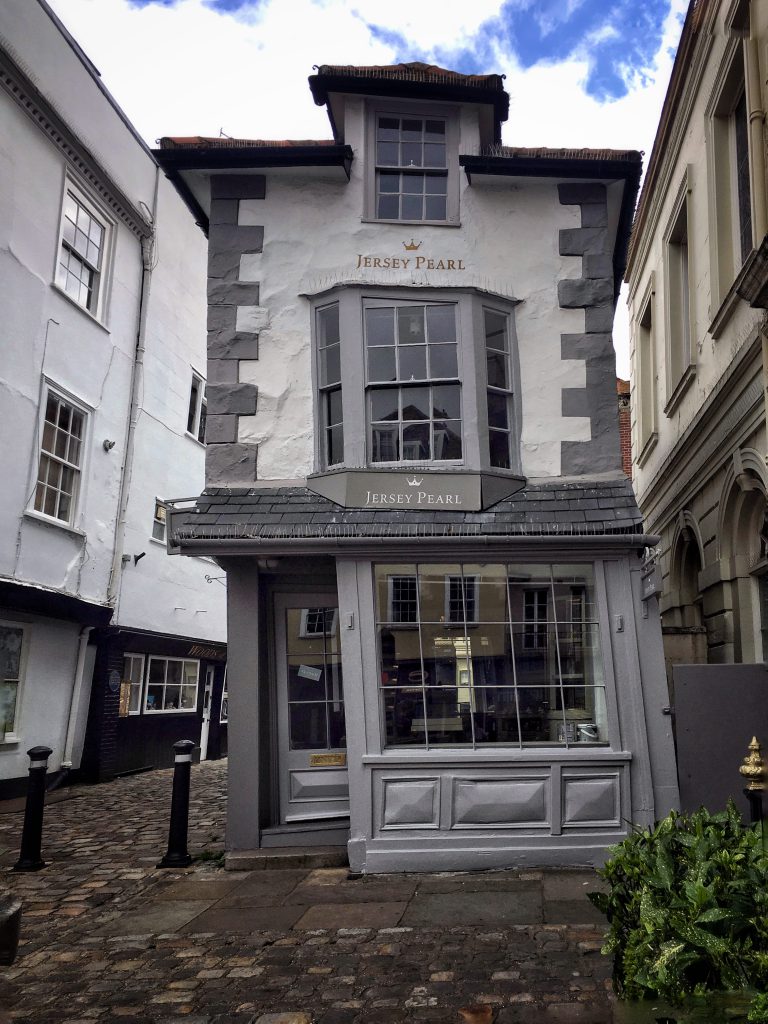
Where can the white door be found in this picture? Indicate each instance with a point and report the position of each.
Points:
(312, 733)
(206, 726)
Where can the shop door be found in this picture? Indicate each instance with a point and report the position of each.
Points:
(312, 735)
(206, 726)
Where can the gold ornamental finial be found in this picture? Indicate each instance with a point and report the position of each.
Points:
(753, 768)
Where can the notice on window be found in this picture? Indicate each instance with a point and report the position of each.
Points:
(307, 672)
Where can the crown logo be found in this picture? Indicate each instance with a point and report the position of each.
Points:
(414, 482)
(412, 246)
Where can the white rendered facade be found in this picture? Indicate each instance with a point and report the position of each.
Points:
(80, 189)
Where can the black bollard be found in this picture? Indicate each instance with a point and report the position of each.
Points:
(755, 800)
(177, 855)
(30, 858)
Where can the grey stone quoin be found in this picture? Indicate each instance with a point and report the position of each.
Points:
(226, 458)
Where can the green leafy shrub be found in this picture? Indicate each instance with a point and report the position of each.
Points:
(687, 907)
(758, 1009)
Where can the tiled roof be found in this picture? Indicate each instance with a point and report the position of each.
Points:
(591, 508)
(545, 153)
(415, 71)
(216, 142)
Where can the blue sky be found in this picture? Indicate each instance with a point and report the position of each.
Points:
(619, 39)
(580, 73)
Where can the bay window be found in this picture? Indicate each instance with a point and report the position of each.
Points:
(399, 377)
(489, 655)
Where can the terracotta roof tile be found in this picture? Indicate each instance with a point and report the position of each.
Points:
(216, 142)
(415, 71)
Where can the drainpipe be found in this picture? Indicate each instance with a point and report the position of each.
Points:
(74, 705)
(756, 116)
(147, 255)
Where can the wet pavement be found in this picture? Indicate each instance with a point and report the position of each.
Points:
(107, 936)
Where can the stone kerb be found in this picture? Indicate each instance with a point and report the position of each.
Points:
(234, 319)
(592, 292)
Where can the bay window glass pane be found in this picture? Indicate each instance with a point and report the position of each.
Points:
(497, 410)
(574, 593)
(335, 453)
(384, 404)
(491, 589)
(330, 365)
(495, 715)
(416, 446)
(499, 449)
(385, 443)
(413, 362)
(379, 325)
(441, 323)
(381, 364)
(496, 363)
(495, 330)
(416, 404)
(446, 401)
(443, 361)
(448, 440)
(334, 407)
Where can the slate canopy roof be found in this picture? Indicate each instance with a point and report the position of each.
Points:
(560, 508)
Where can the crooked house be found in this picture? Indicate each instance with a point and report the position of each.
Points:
(444, 646)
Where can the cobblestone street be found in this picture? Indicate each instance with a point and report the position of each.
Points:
(106, 936)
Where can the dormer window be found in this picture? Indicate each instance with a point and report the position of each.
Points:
(413, 158)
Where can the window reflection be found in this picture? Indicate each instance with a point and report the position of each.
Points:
(479, 654)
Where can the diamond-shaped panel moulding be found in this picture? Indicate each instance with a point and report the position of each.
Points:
(593, 800)
(410, 802)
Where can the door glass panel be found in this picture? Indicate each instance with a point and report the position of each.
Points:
(313, 668)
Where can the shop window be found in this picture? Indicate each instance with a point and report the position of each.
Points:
(158, 521)
(171, 685)
(131, 685)
(412, 157)
(523, 668)
(61, 458)
(645, 357)
(729, 161)
(198, 408)
(403, 599)
(80, 271)
(329, 360)
(11, 674)
(414, 394)
(499, 388)
(678, 277)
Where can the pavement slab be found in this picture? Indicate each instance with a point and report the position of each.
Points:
(108, 937)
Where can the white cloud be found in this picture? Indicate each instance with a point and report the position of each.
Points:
(188, 69)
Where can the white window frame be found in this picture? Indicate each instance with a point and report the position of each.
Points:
(197, 410)
(159, 521)
(14, 736)
(169, 711)
(97, 306)
(402, 385)
(305, 631)
(391, 600)
(50, 389)
(471, 585)
(400, 109)
(142, 659)
(533, 638)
